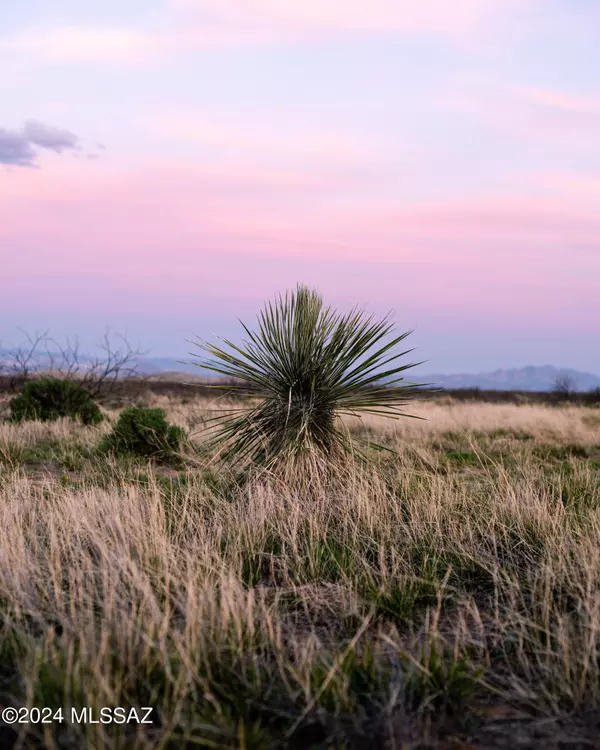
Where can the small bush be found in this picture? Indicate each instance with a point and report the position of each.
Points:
(143, 432)
(49, 399)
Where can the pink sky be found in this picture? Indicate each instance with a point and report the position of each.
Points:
(190, 160)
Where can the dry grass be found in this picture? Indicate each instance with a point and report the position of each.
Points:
(450, 594)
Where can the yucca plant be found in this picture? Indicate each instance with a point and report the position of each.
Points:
(308, 365)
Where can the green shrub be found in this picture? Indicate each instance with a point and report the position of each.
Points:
(49, 399)
(143, 432)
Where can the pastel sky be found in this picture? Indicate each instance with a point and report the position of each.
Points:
(167, 165)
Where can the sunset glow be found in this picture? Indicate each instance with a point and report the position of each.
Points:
(182, 160)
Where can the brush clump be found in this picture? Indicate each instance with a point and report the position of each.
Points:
(49, 399)
(143, 432)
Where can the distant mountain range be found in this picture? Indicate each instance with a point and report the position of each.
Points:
(517, 379)
(530, 378)
(156, 365)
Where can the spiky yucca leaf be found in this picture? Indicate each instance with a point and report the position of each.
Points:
(309, 365)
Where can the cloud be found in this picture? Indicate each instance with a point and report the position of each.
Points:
(381, 16)
(206, 24)
(528, 113)
(265, 143)
(17, 146)
(172, 234)
(81, 44)
(49, 137)
(295, 214)
(119, 46)
(552, 99)
(15, 149)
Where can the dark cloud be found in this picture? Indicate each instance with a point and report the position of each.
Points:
(17, 146)
(15, 149)
(46, 136)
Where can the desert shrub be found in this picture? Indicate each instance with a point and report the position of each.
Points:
(48, 399)
(308, 365)
(143, 432)
(593, 397)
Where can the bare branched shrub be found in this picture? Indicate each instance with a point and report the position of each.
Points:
(101, 373)
(565, 386)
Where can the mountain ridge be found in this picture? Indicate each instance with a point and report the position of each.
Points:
(527, 378)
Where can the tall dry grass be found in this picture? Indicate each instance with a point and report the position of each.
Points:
(451, 591)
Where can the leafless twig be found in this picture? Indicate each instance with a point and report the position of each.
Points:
(101, 374)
